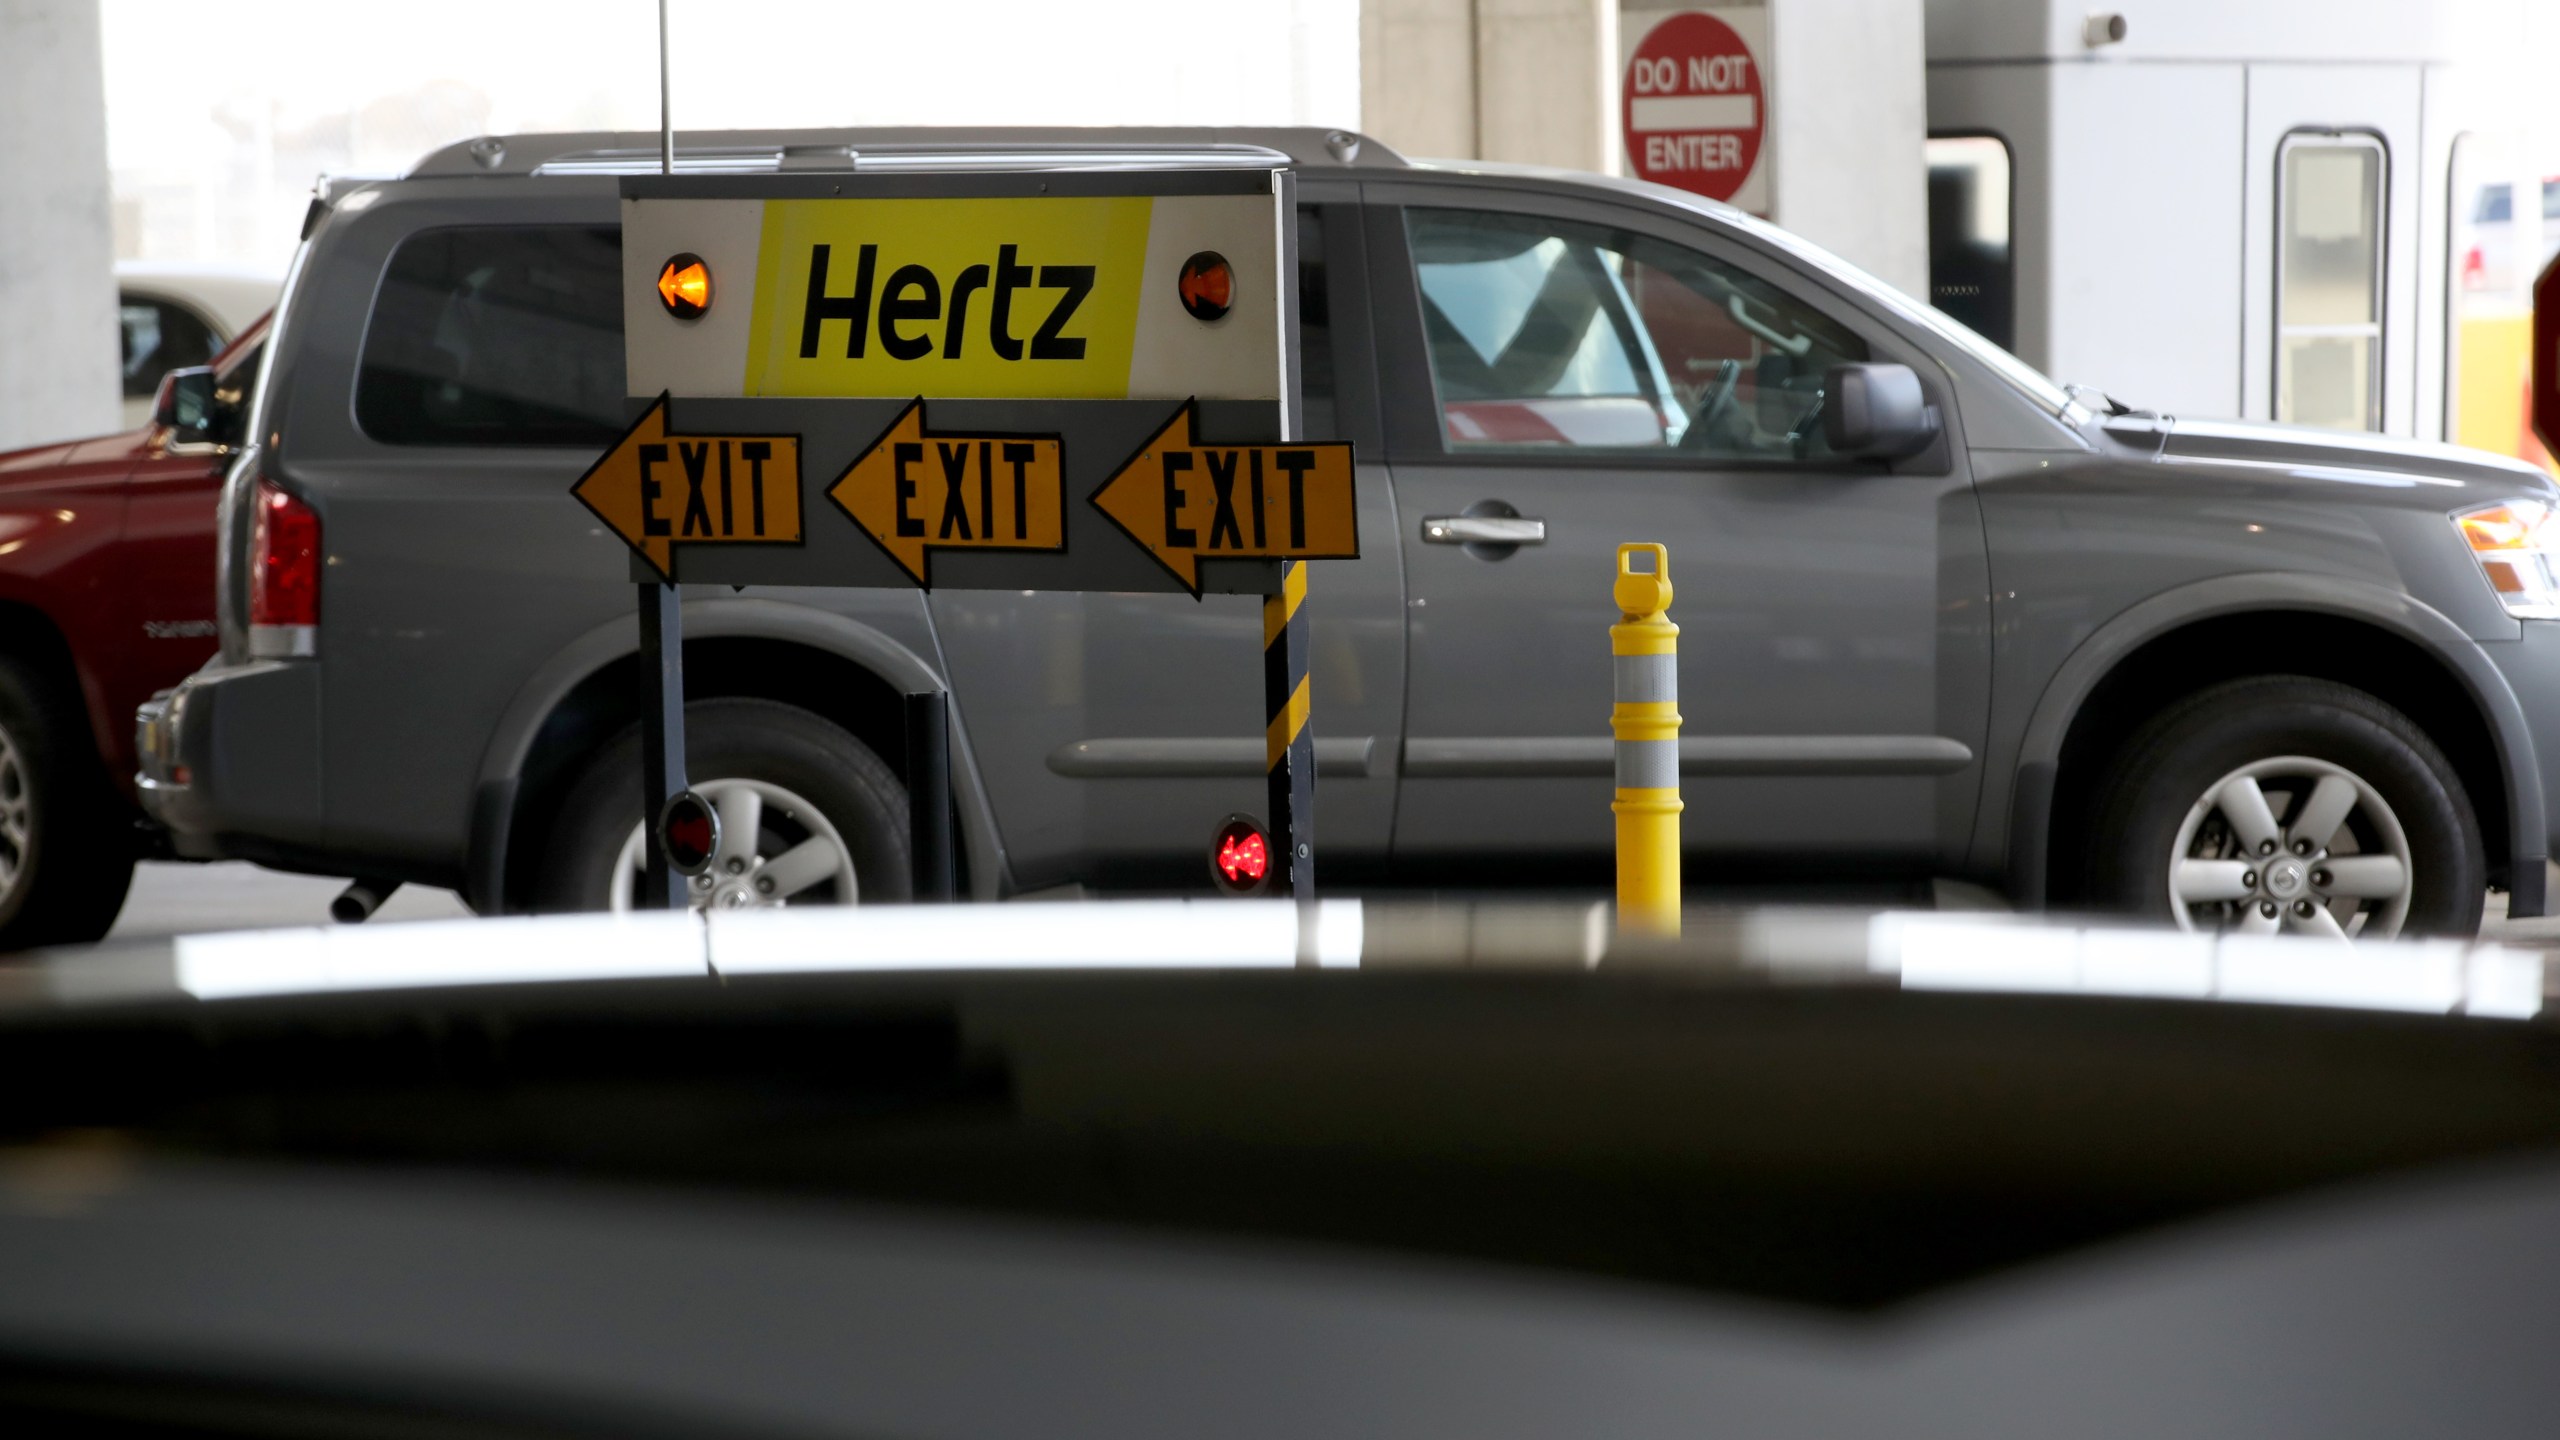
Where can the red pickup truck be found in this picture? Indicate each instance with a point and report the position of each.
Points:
(106, 595)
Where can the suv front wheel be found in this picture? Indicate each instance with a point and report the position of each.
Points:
(808, 816)
(2288, 804)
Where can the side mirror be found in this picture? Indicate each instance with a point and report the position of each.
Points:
(186, 405)
(1877, 411)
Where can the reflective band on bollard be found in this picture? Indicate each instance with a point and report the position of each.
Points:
(1646, 722)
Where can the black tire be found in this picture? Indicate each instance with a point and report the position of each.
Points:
(68, 872)
(2172, 761)
(760, 740)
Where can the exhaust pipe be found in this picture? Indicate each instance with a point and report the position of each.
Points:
(360, 899)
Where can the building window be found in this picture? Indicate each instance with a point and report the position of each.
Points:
(2329, 253)
(1973, 273)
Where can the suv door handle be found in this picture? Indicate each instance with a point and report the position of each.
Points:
(1483, 530)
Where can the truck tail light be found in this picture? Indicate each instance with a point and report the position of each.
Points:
(284, 573)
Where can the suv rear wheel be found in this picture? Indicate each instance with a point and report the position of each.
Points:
(808, 815)
(66, 838)
(2285, 803)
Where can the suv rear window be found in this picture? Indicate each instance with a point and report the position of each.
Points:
(497, 335)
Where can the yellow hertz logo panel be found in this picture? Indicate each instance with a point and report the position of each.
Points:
(995, 298)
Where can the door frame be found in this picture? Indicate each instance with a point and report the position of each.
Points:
(1409, 402)
(1413, 433)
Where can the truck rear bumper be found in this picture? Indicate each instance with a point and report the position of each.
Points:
(233, 753)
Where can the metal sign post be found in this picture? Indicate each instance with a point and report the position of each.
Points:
(1290, 742)
(929, 795)
(662, 775)
(1040, 380)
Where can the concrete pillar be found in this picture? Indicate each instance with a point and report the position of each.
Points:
(1849, 126)
(1418, 76)
(1519, 80)
(59, 358)
(1546, 81)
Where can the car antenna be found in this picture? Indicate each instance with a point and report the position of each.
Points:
(666, 120)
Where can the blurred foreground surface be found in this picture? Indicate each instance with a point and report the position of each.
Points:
(1139, 1170)
(169, 898)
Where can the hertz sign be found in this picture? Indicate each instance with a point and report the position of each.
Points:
(1038, 297)
(875, 298)
(1072, 379)
(1063, 381)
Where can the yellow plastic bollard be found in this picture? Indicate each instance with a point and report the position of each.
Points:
(1646, 721)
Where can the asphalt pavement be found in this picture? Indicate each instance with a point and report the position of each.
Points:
(178, 899)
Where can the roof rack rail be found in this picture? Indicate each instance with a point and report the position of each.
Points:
(939, 148)
(622, 161)
(760, 160)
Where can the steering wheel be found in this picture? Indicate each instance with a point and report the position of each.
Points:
(1712, 408)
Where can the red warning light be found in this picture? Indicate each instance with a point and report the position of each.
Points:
(1208, 286)
(689, 829)
(1245, 860)
(1240, 858)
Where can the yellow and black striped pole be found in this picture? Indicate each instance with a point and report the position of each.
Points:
(1645, 650)
(1289, 743)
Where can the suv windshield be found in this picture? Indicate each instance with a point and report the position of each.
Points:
(2028, 380)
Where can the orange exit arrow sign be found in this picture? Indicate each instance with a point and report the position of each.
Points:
(1187, 500)
(658, 488)
(918, 490)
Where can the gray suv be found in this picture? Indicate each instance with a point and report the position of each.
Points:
(2230, 676)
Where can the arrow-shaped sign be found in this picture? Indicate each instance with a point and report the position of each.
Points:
(658, 489)
(918, 490)
(1187, 501)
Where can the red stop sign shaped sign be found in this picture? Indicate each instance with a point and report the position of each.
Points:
(2546, 357)
(1693, 106)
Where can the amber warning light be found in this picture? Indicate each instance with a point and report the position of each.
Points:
(684, 286)
(1240, 858)
(1207, 286)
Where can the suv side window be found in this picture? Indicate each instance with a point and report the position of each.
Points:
(497, 335)
(1315, 330)
(1550, 333)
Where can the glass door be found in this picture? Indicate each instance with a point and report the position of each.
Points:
(2329, 301)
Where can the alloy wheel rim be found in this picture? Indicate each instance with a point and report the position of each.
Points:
(17, 818)
(776, 849)
(2292, 844)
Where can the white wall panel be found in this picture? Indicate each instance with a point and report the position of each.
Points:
(2158, 30)
(2441, 117)
(2144, 266)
